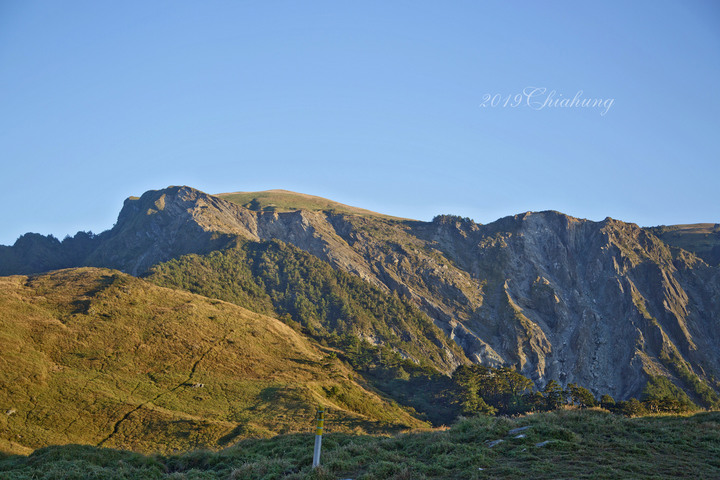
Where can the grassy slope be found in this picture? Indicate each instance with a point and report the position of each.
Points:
(99, 357)
(703, 239)
(579, 445)
(285, 201)
(272, 275)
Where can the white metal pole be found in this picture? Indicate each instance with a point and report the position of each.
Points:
(318, 436)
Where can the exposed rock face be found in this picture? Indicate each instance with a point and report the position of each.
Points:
(603, 304)
(596, 303)
(168, 223)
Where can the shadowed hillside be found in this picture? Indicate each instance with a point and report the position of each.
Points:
(587, 445)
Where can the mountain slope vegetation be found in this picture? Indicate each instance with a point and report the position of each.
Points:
(95, 356)
(279, 279)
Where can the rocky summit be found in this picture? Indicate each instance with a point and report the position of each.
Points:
(603, 304)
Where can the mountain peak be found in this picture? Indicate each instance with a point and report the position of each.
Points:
(163, 224)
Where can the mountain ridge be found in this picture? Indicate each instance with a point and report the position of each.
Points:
(604, 304)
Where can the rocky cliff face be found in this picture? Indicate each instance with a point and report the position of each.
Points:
(603, 304)
(168, 223)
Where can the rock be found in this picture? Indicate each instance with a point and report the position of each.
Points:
(518, 430)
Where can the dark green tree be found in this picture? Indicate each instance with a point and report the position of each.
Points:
(607, 402)
(503, 389)
(554, 395)
(580, 396)
(632, 408)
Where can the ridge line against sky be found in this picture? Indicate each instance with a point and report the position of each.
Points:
(407, 108)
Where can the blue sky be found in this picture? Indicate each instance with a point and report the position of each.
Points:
(375, 104)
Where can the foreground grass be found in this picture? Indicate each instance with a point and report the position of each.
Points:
(577, 444)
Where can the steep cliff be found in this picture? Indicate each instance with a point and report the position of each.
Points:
(602, 304)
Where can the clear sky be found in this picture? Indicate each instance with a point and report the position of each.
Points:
(377, 104)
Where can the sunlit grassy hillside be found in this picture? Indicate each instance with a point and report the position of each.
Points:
(703, 239)
(94, 356)
(285, 201)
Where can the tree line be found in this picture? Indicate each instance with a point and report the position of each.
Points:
(485, 390)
